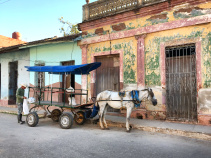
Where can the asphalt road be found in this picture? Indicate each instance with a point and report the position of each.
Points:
(88, 141)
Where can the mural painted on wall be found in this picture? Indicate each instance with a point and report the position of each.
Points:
(129, 57)
(152, 52)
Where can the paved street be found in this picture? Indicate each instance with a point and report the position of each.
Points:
(88, 141)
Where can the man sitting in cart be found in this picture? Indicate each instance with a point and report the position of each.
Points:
(19, 101)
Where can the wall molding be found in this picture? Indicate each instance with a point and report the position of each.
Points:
(204, 19)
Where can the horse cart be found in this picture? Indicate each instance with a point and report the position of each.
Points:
(52, 101)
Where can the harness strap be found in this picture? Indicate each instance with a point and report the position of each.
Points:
(121, 95)
(135, 97)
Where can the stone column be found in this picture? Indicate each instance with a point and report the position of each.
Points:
(140, 60)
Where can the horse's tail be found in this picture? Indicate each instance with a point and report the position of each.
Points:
(97, 99)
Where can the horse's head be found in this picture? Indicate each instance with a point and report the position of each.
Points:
(150, 95)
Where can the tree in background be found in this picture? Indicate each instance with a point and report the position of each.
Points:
(68, 28)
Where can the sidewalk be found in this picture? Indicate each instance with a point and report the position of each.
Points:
(180, 129)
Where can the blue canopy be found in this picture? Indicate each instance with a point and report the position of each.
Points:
(71, 69)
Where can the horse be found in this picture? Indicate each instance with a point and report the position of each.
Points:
(118, 100)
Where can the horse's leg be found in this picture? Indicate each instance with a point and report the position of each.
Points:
(101, 111)
(104, 121)
(129, 110)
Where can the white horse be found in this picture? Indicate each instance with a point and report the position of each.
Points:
(127, 101)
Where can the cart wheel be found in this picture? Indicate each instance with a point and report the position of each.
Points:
(66, 120)
(32, 119)
(79, 118)
(55, 114)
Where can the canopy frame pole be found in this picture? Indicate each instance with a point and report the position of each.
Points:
(65, 78)
(87, 88)
(51, 80)
(48, 86)
(40, 80)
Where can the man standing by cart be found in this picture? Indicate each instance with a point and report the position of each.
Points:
(19, 101)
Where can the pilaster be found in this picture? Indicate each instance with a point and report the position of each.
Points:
(141, 60)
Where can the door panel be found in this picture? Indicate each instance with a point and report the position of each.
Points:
(107, 75)
(181, 83)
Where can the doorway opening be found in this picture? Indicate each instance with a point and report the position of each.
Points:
(13, 80)
(68, 80)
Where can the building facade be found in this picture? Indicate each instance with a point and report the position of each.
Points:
(162, 44)
(46, 52)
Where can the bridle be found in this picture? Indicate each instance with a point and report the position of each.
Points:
(150, 93)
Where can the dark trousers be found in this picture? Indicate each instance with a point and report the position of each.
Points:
(20, 108)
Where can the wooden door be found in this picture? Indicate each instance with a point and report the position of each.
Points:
(181, 83)
(69, 80)
(13, 78)
(107, 75)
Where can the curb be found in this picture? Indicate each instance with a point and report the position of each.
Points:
(8, 112)
(195, 135)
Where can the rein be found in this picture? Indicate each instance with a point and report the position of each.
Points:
(113, 100)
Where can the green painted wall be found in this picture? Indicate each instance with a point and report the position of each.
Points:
(54, 54)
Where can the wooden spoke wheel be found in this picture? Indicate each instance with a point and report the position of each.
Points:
(55, 114)
(66, 120)
(32, 119)
(79, 118)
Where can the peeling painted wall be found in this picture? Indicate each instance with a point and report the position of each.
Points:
(125, 40)
(204, 101)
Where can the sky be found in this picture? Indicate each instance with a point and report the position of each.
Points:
(38, 19)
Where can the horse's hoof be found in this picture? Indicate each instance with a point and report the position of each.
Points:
(128, 131)
(103, 128)
(107, 128)
(131, 127)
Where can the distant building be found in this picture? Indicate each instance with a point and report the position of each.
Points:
(7, 41)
